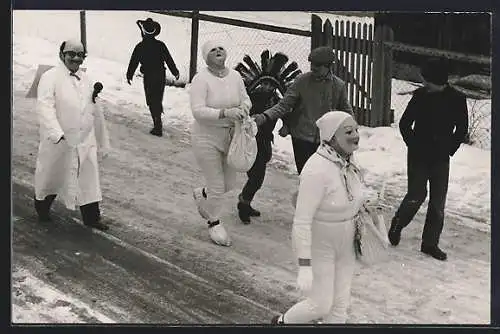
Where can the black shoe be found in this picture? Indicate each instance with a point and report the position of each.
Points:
(98, 225)
(156, 132)
(42, 208)
(276, 320)
(244, 212)
(253, 213)
(435, 252)
(395, 232)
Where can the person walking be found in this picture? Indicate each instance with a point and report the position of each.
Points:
(433, 126)
(152, 54)
(265, 84)
(72, 127)
(218, 99)
(309, 97)
(331, 193)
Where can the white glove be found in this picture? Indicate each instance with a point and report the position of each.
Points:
(305, 278)
(235, 113)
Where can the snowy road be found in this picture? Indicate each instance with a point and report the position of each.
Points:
(157, 265)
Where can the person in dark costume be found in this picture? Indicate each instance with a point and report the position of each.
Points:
(152, 54)
(311, 95)
(433, 126)
(265, 84)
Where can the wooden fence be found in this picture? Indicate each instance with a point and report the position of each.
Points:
(361, 59)
(363, 63)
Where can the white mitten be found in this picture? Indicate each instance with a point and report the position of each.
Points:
(235, 113)
(305, 278)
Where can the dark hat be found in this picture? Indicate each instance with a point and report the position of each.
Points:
(149, 27)
(435, 71)
(322, 55)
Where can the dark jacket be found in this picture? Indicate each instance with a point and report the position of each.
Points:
(151, 54)
(261, 101)
(306, 100)
(440, 123)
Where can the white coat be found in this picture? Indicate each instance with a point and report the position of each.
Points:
(69, 168)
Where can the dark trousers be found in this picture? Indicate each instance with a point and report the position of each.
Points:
(420, 172)
(257, 173)
(154, 88)
(90, 212)
(302, 151)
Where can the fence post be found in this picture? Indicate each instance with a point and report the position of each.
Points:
(83, 30)
(316, 31)
(378, 84)
(195, 25)
(328, 33)
(388, 36)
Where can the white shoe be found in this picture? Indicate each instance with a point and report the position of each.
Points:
(219, 235)
(200, 200)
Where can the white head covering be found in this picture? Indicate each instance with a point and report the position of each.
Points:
(209, 45)
(329, 123)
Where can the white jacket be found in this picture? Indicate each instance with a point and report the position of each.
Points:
(69, 168)
(330, 191)
(209, 94)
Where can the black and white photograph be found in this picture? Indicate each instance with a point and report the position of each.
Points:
(186, 167)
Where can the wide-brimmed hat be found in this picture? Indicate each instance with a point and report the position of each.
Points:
(149, 27)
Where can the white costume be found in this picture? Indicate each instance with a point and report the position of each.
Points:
(211, 136)
(69, 168)
(330, 195)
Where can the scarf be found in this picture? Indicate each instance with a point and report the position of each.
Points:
(345, 165)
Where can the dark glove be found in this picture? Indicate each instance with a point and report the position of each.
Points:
(259, 119)
(97, 89)
(284, 131)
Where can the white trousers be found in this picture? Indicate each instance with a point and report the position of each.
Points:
(333, 261)
(210, 146)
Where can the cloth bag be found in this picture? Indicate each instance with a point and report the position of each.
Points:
(371, 242)
(243, 147)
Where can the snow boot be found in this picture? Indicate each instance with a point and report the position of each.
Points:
(91, 216)
(395, 232)
(42, 208)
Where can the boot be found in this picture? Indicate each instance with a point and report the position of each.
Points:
(245, 210)
(277, 320)
(42, 208)
(91, 216)
(218, 233)
(395, 232)
(157, 129)
(434, 251)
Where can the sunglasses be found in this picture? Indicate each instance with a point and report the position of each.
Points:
(73, 54)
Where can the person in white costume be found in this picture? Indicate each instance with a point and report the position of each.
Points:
(72, 126)
(218, 99)
(330, 195)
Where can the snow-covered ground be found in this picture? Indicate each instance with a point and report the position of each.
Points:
(111, 36)
(37, 302)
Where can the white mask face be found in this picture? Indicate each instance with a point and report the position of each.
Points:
(346, 138)
(217, 56)
(73, 55)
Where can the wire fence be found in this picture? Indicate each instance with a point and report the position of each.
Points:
(241, 41)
